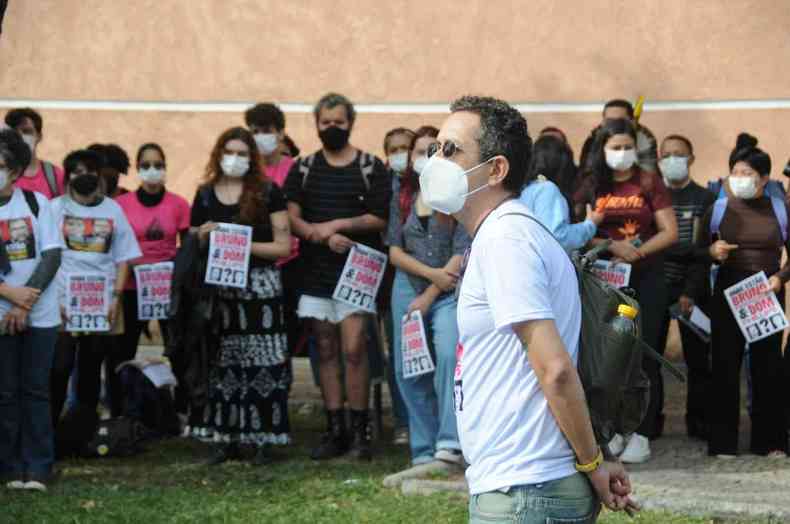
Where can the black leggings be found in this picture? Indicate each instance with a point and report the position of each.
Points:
(653, 296)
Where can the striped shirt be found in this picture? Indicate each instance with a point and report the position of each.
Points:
(690, 204)
(330, 193)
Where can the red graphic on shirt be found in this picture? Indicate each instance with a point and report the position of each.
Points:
(630, 230)
(18, 237)
(459, 354)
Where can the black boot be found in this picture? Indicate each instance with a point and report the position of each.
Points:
(223, 453)
(333, 442)
(360, 445)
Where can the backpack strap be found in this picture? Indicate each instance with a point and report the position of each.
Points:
(49, 174)
(32, 203)
(719, 207)
(305, 163)
(366, 165)
(780, 210)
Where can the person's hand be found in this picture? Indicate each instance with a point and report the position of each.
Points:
(613, 487)
(63, 315)
(595, 216)
(114, 311)
(625, 251)
(444, 280)
(422, 304)
(686, 304)
(205, 229)
(24, 297)
(323, 231)
(720, 250)
(15, 321)
(340, 243)
(775, 283)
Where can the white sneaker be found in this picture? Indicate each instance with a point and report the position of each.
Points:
(617, 445)
(34, 485)
(15, 484)
(451, 456)
(637, 451)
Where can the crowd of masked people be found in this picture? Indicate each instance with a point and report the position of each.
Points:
(231, 348)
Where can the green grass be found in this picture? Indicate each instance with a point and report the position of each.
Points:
(168, 485)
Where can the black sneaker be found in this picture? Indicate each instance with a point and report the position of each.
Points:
(223, 453)
(263, 456)
(330, 447)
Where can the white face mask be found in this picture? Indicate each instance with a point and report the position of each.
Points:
(4, 176)
(444, 185)
(30, 140)
(674, 168)
(620, 160)
(235, 165)
(267, 143)
(152, 175)
(419, 164)
(399, 161)
(743, 187)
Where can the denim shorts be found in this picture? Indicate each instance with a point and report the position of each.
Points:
(569, 500)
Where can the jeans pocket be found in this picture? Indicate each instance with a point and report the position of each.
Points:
(589, 519)
(493, 506)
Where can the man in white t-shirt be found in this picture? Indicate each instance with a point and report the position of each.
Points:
(522, 417)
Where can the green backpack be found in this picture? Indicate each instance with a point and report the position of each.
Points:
(610, 363)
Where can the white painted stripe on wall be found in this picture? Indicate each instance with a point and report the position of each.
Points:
(384, 108)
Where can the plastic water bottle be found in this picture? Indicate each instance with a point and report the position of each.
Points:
(624, 321)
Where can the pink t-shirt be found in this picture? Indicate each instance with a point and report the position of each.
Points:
(278, 174)
(38, 183)
(156, 228)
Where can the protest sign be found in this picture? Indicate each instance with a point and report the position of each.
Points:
(87, 302)
(756, 308)
(697, 321)
(359, 283)
(616, 275)
(153, 290)
(414, 347)
(229, 255)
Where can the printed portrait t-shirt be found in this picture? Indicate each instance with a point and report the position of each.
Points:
(25, 237)
(156, 228)
(516, 272)
(97, 238)
(39, 184)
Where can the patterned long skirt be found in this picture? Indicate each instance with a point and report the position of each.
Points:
(251, 378)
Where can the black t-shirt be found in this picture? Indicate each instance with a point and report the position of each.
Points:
(690, 205)
(330, 193)
(206, 207)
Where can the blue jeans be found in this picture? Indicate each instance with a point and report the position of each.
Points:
(567, 500)
(428, 398)
(26, 436)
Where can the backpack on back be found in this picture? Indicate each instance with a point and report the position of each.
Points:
(610, 363)
(366, 163)
(49, 175)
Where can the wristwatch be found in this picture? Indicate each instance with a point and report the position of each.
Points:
(592, 466)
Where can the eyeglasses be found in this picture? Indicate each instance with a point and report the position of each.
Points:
(448, 149)
(149, 165)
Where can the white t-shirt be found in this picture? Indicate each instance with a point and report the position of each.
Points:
(97, 238)
(26, 237)
(516, 272)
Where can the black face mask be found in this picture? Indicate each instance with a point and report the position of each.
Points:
(85, 184)
(334, 138)
(111, 181)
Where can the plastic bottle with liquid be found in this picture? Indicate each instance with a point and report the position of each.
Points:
(625, 320)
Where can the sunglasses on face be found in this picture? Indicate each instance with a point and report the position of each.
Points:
(448, 149)
(149, 165)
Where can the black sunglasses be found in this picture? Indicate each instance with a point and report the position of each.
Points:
(149, 165)
(448, 149)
